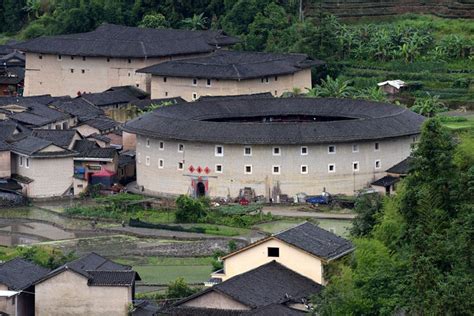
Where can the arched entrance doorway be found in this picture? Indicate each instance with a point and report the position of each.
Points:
(200, 190)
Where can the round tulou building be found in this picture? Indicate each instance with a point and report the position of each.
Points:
(270, 146)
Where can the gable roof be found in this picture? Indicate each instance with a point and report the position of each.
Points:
(267, 284)
(403, 167)
(110, 40)
(101, 123)
(11, 130)
(32, 146)
(4, 146)
(98, 270)
(233, 65)
(37, 114)
(19, 274)
(315, 240)
(385, 181)
(80, 108)
(61, 138)
(90, 149)
(117, 95)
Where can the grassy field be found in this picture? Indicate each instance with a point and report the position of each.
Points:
(459, 123)
(339, 227)
(162, 270)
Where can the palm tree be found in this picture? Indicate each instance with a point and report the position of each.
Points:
(331, 88)
(197, 22)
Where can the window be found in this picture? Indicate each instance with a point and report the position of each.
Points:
(377, 164)
(331, 149)
(147, 160)
(21, 161)
(265, 80)
(248, 169)
(180, 165)
(165, 79)
(355, 148)
(355, 166)
(332, 167)
(83, 58)
(129, 74)
(376, 146)
(304, 150)
(83, 71)
(108, 60)
(218, 168)
(138, 85)
(166, 93)
(162, 145)
(276, 78)
(27, 162)
(195, 96)
(219, 151)
(276, 151)
(208, 83)
(195, 82)
(40, 56)
(161, 163)
(147, 142)
(273, 252)
(304, 169)
(72, 70)
(60, 57)
(72, 57)
(180, 148)
(129, 61)
(275, 169)
(247, 151)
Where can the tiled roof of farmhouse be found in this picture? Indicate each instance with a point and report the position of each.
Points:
(102, 123)
(61, 138)
(99, 271)
(271, 283)
(80, 108)
(112, 97)
(19, 274)
(385, 181)
(316, 241)
(199, 121)
(225, 64)
(403, 167)
(234, 97)
(4, 146)
(90, 149)
(110, 40)
(32, 146)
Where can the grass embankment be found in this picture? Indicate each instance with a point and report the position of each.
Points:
(459, 123)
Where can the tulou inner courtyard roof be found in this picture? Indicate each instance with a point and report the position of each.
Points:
(262, 121)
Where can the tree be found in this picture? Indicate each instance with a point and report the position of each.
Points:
(154, 21)
(429, 106)
(179, 289)
(331, 88)
(196, 22)
(371, 94)
(367, 207)
(189, 210)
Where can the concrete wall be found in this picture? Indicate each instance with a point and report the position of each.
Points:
(217, 301)
(6, 304)
(129, 141)
(168, 179)
(5, 164)
(183, 87)
(52, 176)
(68, 294)
(51, 74)
(291, 257)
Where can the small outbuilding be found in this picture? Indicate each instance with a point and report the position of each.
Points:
(392, 86)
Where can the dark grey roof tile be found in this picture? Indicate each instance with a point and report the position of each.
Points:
(19, 274)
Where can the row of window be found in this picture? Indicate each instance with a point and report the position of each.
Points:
(276, 169)
(24, 162)
(276, 151)
(84, 58)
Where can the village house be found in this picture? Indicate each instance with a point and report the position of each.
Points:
(269, 289)
(43, 168)
(392, 86)
(5, 160)
(99, 125)
(230, 73)
(305, 249)
(17, 290)
(12, 74)
(387, 185)
(108, 56)
(90, 285)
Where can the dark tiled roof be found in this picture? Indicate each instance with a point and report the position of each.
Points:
(4, 146)
(25, 101)
(233, 97)
(125, 160)
(11, 130)
(61, 138)
(144, 308)
(9, 185)
(80, 108)
(10, 80)
(131, 90)
(110, 40)
(111, 278)
(19, 274)
(196, 121)
(276, 310)
(233, 65)
(403, 167)
(385, 181)
(102, 123)
(90, 149)
(6, 49)
(113, 97)
(32, 146)
(99, 137)
(196, 311)
(268, 284)
(13, 55)
(38, 114)
(316, 241)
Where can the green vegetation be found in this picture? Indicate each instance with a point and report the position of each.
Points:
(44, 256)
(414, 254)
(458, 123)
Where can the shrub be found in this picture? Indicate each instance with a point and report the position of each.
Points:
(189, 210)
(179, 289)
